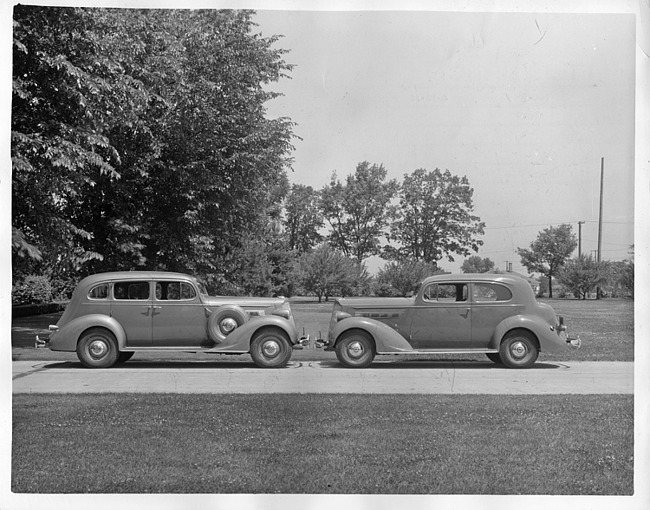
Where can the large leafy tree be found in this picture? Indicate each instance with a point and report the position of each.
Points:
(434, 218)
(303, 218)
(549, 252)
(140, 137)
(356, 211)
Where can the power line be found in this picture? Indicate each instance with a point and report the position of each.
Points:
(560, 223)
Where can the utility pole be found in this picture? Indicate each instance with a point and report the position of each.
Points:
(600, 218)
(600, 214)
(580, 223)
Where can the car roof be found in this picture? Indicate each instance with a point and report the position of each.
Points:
(477, 277)
(134, 275)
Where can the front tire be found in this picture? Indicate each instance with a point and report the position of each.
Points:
(519, 349)
(97, 348)
(270, 348)
(355, 350)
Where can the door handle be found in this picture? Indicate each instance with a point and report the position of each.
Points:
(466, 314)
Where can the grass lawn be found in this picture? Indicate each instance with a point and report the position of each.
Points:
(321, 444)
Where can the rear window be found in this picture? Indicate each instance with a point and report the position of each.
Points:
(491, 292)
(131, 290)
(99, 292)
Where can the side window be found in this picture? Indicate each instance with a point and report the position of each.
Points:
(446, 292)
(131, 290)
(99, 292)
(174, 291)
(491, 292)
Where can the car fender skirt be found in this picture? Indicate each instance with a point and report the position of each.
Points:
(68, 335)
(386, 338)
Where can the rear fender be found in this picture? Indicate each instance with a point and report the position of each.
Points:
(386, 338)
(240, 339)
(67, 337)
(548, 337)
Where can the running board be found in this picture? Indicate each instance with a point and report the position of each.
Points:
(444, 351)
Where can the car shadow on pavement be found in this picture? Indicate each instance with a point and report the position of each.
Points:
(162, 365)
(440, 364)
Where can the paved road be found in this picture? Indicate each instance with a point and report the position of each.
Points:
(325, 377)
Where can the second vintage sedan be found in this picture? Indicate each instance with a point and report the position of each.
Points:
(111, 316)
(493, 314)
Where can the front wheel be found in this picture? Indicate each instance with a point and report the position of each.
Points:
(270, 348)
(355, 350)
(97, 348)
(519, 350)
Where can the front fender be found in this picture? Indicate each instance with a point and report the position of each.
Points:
(550, 339)
(386, 338)
(240, 339)
(67, 337)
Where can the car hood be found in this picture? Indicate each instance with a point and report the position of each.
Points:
(357, 303)
(247, 303)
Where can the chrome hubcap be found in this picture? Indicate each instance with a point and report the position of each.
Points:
(271, 348)
(228, 325)
(355, 350)
(97, 349)
(519, 350)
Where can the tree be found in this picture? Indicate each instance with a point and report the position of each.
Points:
(325, 271)
(583, 274)
(549, 252)
(399, 278)
(357, 210)
(140, 137)
(434, 218)
(476, 264)
(303, 218)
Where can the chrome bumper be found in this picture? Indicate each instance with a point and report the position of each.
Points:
(574, 342)
(302, 342)
(42, 343)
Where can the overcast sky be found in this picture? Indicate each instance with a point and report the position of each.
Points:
(525, 105)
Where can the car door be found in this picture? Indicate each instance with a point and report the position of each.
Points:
(132, 308)
(179, 316)
(441, 318)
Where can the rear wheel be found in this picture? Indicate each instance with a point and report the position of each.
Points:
(355, 350)
(270, 348)
(97, 348)
(519, 349)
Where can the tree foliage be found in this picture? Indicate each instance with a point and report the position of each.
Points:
(549, 252)
(583, 274)
(476, 264)
(400, 278)
(326, 271)
(356, 211)
(303, 218)
(140, 137)
(434, 218)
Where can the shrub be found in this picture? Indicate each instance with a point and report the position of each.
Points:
(32, 289)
